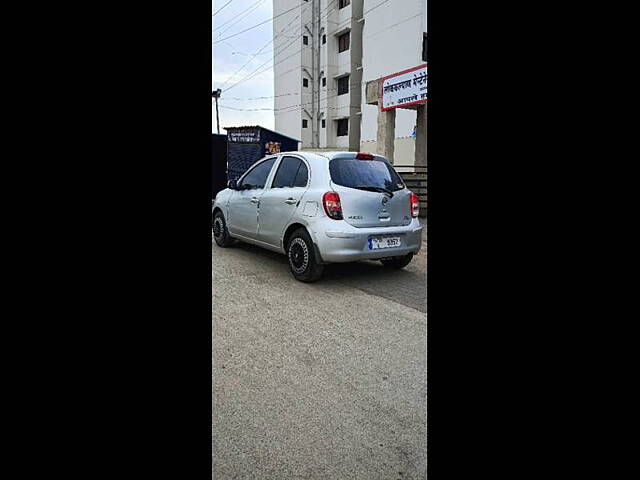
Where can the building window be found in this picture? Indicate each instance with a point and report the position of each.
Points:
(304, 123)
(343, 3)
(343, 42)
(343, 85)
(424, 47)
(324, 81)
(305, 40)
(343, 127)
(305, 82)
(324, 39)
(324, 123)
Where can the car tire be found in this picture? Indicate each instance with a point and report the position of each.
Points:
(302, 258)
(220, 232)
(397, 262)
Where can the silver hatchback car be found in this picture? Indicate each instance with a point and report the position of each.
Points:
(319, 208)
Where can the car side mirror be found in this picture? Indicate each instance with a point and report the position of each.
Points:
(232, 184)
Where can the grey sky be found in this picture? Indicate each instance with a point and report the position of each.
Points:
(230, 55)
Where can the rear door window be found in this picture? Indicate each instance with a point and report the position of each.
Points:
(286, 174)
(355, 173)
(302, 177)
(292, 172)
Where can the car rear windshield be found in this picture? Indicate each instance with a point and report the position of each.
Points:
(355, 173)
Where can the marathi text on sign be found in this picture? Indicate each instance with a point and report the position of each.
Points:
(404, 89)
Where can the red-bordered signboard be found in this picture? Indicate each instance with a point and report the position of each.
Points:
(404, 89)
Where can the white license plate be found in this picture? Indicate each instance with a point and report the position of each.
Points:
(376, 243)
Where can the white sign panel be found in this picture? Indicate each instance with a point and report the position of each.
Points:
(404, 89)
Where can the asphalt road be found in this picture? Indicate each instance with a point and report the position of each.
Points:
(317, 381)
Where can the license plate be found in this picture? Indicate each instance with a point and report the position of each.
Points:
(376, 243)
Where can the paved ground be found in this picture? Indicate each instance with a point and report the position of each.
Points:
(320, 381)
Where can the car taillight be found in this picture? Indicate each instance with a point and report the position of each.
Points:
(364, 156)
(331, 202)
(415, 205)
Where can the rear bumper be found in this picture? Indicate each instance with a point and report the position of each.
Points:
(341, 242)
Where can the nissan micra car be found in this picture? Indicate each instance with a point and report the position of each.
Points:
(319, 208)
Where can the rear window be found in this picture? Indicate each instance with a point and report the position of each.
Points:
(354, 173)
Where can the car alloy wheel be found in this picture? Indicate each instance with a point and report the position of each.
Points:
(218, 228)
(298, 255)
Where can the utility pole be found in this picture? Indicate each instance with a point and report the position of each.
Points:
(317, 79)
(216, 94)
(314, 73)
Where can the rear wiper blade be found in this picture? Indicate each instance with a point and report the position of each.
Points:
(377, 189)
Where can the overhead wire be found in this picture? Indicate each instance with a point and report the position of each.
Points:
(218, 11)
(326, 11)
(258, 24)
(264, 46)
(238, 18)
(330, 6)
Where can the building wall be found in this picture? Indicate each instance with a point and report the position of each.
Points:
(288, 74)
(334, 22)
(389, 40)
(392, 36)
(405, 148)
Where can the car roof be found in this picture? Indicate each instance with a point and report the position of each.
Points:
(329, 155)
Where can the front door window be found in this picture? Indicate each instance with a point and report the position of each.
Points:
(257, 178)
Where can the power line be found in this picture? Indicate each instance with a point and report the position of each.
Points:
(258, 24)
(373, 8)
(263, 98)
(263, 47)
(251, 75)
(329, 6)
(247, 54)
(246, 109)
(242, 99)
(363, 13)
(254, 74)
(238, 18)
(296, 107)
(375, 34)
(218, 11)
(292, 107)
(249, 61)
(297, 67)
(327, 10)
(234, 17)
(277, 76)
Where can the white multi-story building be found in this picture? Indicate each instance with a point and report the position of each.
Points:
(325, 52)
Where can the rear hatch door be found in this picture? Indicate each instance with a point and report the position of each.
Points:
(372, 194)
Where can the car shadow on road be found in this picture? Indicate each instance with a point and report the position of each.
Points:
(406, 286)
(364, 268)
(368, 270)
(262, 252)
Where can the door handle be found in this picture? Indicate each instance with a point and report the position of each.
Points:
(254, 200)
(291, 201)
